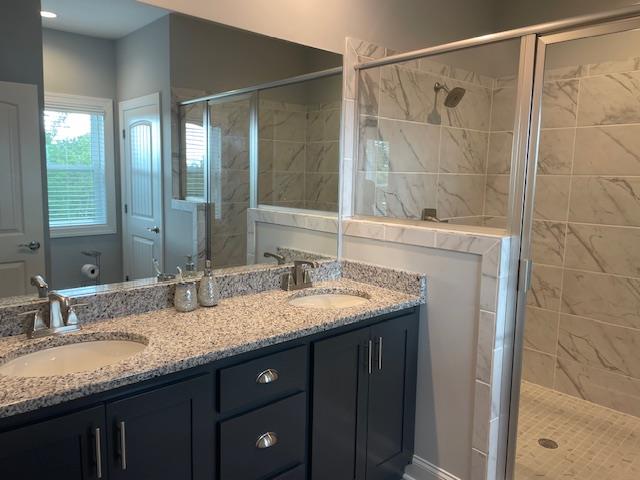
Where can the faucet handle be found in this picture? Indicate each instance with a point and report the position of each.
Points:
(72, 316)
(36, 323)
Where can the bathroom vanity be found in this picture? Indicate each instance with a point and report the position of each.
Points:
(257, 388)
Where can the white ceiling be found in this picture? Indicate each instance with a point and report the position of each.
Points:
(100, 18)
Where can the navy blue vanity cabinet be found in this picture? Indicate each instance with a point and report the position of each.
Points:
(391, 398)
(339, 389)
(364, 388)
(71, 447)
(163, 434)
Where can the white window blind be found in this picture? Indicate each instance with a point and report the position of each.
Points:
(195, 150)
(79, 166)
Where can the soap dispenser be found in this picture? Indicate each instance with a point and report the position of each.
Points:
(208, 292)
(185, 297)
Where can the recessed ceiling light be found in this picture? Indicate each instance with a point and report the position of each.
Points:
(45, 14)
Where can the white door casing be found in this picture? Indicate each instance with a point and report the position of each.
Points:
(141, 161)
(21, 205)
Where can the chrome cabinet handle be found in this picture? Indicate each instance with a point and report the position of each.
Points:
(123, 445)
(379, 353)
(269, 375)
(98, 452)
(370, 355)
(267, 440)
(33, 245)
(153, 229)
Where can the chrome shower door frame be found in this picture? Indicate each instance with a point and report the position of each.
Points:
(530, 174)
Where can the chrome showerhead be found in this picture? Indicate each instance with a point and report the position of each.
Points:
(453, 96)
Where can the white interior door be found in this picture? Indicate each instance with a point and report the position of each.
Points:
(141, 185)
(21, 216)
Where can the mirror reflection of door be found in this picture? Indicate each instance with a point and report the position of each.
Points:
(142, 219)
(21, 207)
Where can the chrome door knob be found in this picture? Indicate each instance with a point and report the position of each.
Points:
(32, 245)
(154, 229)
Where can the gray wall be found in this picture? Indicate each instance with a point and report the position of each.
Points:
(216, 58)
(82, 65)
(400, 24)
(518, 13)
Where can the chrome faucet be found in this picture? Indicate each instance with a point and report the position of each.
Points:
(278, 258)
(40, 283)
(62, 317)
(299, 277)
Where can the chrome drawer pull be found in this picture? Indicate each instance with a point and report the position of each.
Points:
(98, 452)
(270, 375)
(267, 440)
(123, 445)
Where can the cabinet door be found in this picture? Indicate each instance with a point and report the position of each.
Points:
(164, 434)
(391, 399)
(339, 405)
(71, 447)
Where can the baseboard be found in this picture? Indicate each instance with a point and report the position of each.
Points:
(420, 469)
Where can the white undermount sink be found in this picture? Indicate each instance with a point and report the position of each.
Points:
(71, 358)
(329, 300)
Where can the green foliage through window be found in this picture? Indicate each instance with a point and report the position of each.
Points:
(75, 168)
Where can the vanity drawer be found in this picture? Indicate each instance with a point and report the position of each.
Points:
(263, 379)
(266, 440)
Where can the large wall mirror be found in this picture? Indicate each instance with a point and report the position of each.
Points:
(168, 140)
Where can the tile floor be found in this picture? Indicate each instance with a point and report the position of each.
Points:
(593, 442)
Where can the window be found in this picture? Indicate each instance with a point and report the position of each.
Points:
(80, 165)
(195, 152)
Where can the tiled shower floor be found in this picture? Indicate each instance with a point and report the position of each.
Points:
(593, 442)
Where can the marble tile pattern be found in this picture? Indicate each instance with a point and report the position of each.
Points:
(298, 154)
(416, 153)
(583, 321)
(177, 341)
(231, 159)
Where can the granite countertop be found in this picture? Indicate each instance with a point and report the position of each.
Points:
(177, 341)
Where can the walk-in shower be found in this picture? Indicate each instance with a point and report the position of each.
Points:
(539, 140)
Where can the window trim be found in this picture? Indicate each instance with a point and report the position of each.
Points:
(91, 105)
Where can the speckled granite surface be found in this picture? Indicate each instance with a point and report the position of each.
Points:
(177, 341)
(114, 300)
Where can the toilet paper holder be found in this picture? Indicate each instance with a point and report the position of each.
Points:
(95, 254)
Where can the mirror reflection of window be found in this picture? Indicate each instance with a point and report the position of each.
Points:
(81, 190)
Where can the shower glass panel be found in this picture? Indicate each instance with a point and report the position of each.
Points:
(228, 190)
(299, 133)
(579, 413)
(435, 136)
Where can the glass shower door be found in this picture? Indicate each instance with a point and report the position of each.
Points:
(229, 178)
(579, 411)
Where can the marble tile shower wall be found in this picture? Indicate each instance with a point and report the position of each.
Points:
(415, 153)
(299, 152)
(582, 333)
(230, 125)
